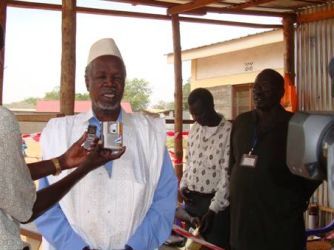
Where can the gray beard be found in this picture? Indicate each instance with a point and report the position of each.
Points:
(109, 108)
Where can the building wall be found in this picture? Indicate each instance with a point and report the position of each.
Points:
(236, 67)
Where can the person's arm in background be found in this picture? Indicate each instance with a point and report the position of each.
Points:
(221, 199)
(231, 160)
(157, 224)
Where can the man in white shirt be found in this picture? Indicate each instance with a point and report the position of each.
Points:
(127, 204)
(205, 182)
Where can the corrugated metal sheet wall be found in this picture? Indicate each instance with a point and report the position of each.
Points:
(314, 49)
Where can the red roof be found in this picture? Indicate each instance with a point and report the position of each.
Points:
(79, 106)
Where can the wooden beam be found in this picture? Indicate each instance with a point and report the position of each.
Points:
(316, 16)
(248, 4)
(178, 148)
(248, 12)
(54, 7)
(289, 99)
(181, 8)
(172, 121)
(36, 116)
(206, 9)
(32, 5)
(148, 16)
(230, 23)
(166, 17)
(67, 84)
(289, 41)
(147, 3)
(122, 13)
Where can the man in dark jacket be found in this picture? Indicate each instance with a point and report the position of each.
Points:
(267, 201)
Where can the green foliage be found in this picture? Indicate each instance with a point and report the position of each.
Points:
(53, 94)
(185, 94)
(137, 92)
(82, 97)
(170, 105)
(31, 100)
(164, 105)
(170, 143)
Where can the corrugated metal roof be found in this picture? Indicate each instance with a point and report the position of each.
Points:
(268, 7)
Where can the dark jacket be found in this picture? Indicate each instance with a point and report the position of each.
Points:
(267, 201)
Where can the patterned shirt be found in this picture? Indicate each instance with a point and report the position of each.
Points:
(206, 169)
(17, 191)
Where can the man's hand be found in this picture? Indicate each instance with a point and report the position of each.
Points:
(195, 222)
(75, 155)
(185, 194)
(206, 222)
(100, 156)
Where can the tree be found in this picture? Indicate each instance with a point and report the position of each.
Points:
(164, 105)
(82, 97)
(55, 95)
(185, 94)
(137, 92)
(31, 100)
(170, 105)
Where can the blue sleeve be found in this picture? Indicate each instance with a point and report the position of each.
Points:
(55, 228)
(157, 224)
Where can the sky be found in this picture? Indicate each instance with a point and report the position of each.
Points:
(33, 47)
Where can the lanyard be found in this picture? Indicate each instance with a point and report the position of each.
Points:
(254, 141)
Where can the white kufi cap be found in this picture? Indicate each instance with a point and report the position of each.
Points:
(103, 47)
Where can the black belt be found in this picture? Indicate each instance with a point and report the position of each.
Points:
(204, 195)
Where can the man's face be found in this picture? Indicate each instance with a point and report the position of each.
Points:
(198, 112)
(266, 95)
(105, 80)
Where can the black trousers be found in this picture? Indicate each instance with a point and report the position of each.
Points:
(219, 233)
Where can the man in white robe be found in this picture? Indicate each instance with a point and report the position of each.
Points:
(130, 202)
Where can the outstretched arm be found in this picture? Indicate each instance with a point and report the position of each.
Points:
(157, 224)
(50, 195)
(70, 159)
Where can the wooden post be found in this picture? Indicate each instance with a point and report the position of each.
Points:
(67, 85)
(3, 14)
(288, 37)
(177, 97)
(290, 98)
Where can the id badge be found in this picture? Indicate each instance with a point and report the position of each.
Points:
(248, 160)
